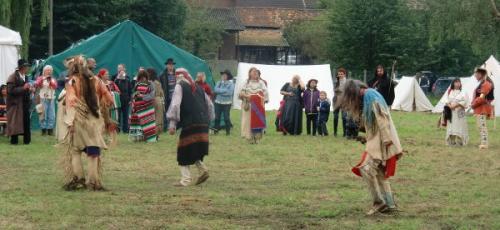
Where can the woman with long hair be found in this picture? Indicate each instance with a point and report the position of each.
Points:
(85, 125)
(253, 114)
(159, 101)
(457, 133)
(143, 117)
(383, 149)
(291, 117)
(111, 113)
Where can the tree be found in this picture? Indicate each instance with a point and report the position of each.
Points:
(75, 20)
(163, 17)
(17, 14)
(201, 36)
(478, 28)
(310, 38)
(366, 34)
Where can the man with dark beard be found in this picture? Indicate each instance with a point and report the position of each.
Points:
(383, 149)
(383, 84)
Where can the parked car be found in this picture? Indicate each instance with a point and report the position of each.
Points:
(428, 79)
(441, 85)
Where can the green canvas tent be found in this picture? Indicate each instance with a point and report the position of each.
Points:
(134, 46)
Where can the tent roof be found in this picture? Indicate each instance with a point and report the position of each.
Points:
(410, 97)
(134, 46)
(9, 37)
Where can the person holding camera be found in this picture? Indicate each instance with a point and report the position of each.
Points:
(47, 85)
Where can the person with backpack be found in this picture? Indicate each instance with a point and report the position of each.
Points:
(483, 97)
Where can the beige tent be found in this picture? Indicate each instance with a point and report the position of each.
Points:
(410, 97)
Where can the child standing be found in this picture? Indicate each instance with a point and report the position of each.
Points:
(311, 96)
(324, 112)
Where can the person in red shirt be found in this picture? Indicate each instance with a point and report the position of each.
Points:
(201, 81)
(483, 96)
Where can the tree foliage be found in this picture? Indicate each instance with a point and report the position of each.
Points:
(308, 37)
(17, 15)
(201, 36)
(450, 37)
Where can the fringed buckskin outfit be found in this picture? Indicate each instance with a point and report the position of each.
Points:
(383, 149)
(87, 136)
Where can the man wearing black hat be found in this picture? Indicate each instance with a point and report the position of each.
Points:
(224, 90)
(168, 81)
(18, 104)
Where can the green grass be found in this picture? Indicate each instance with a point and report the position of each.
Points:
(282, 183)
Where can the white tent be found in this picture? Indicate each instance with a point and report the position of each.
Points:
(410, 97)
(469, 85)
(9, 52)
(277, 75)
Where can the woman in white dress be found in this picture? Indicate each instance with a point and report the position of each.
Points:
(457, 133)
(253, 95)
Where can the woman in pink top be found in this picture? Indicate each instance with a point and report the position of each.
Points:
(46, 84)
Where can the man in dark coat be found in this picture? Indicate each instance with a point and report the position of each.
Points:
(122, 80)
(18, 104)
(168, 82)
(383, 84)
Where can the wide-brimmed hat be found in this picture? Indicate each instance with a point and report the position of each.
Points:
(22, 63)
(228, 73)
(170, 61)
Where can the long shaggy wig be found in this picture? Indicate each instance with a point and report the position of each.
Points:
(78, 68)
(351, 99)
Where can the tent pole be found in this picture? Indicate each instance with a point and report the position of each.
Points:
(51, 27)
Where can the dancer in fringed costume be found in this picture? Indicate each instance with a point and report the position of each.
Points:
(191, 110)
(253, 114)
(84, 94)
(383, 149)
(110, 113)
(457, 133)
(483, 110)
(142, 118)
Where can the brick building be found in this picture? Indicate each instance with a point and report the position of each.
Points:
(254, 28)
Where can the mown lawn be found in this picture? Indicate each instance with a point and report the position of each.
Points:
(283, 183)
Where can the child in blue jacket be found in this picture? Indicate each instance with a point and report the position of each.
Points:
(324, 112)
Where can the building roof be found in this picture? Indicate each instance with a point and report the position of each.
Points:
(227, 17)
(262, 37)
(273, 17)
(285, 4)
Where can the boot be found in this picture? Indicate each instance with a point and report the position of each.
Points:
(228, 131)
(44, 132)
(50, 132)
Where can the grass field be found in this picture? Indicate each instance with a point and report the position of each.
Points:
(283, 183)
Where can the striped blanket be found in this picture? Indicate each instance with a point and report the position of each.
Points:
(142, 117)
